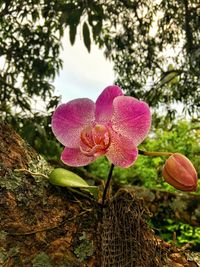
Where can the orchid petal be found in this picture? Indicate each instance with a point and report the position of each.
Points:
(104, 103)
(69, 119)
(122, 152)
(74, 157)
(131, 118)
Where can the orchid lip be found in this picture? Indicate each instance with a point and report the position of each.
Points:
(95, 151)
(95, 140)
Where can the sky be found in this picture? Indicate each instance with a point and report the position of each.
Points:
(84, 74)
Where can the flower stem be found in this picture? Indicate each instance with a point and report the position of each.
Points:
(107, 185)
(154, 153)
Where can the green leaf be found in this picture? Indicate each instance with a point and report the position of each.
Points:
(72, 33)
(74, 16)
(86, 36)
(67, 178)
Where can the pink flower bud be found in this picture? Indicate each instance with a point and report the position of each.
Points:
(179, 172)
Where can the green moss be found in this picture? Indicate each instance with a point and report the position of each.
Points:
(9, 181)
(39, 165)
(19, 182)
(41, 260)
(4, 255)
(3, 235)
(85, 248)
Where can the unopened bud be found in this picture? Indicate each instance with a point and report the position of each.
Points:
(179, 172)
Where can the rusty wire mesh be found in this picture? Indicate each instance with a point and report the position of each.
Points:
(126, 239)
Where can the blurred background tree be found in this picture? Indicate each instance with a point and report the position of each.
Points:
(154, 46)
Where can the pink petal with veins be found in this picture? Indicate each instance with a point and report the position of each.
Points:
(69, 119)
(104, 104)
(74, 157)
(131, 118)
(122, 152)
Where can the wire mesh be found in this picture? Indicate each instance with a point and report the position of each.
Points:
(126, 239)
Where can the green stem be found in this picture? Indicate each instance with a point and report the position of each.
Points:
(154, 153)
(107, 185)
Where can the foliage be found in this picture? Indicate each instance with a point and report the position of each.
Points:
(30, 37)
(136, 36)
(155, 49)
(30, 45)
(184, 233)
(29, 52)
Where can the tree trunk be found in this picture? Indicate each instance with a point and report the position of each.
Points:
(43, 225)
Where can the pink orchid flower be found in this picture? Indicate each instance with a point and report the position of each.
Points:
(113, 126)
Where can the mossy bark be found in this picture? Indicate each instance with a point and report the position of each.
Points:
(40, 225)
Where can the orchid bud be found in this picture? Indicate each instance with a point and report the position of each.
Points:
(179, 172)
